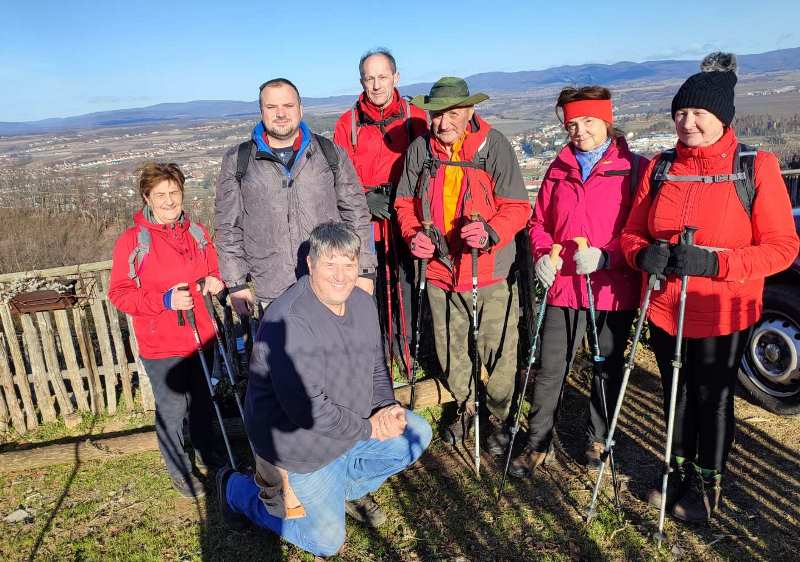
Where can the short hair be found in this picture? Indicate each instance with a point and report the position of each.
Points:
(383, 51)
(153, 173)
(333, 238)
(275, 82)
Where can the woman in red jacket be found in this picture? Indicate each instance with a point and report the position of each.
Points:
(156, 268)
(734, 251)
(586, 192)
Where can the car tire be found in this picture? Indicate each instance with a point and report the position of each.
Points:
(770, 369)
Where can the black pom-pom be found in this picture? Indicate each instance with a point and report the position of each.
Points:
(719, 62)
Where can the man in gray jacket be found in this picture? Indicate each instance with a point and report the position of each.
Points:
(272, 191)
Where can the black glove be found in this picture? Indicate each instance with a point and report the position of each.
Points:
(653, 258)
(691, 260)
(378, 203)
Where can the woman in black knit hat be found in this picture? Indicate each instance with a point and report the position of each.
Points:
(743, 236)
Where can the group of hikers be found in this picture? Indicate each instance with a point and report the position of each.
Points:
(424, 194)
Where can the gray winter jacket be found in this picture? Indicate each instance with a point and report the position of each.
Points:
(262, 226)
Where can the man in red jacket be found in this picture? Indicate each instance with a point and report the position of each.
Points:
(464, 179)
(375, 133)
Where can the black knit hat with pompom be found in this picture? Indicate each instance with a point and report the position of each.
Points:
(711, 88)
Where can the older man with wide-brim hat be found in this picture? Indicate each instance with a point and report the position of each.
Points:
(464, 181)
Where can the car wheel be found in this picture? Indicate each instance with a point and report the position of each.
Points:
(770, 368)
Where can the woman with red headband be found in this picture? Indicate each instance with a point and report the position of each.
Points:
(586, 193)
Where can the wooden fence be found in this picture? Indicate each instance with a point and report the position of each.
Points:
(60, 363)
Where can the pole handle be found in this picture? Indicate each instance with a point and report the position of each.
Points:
(688, 234)
(582, 242)
(554, 252)
(474, 217)
(426, 227)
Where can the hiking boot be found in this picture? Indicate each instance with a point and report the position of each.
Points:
(211, 465)
(460, 429)
(499, 438)
(527, 461)
(366, 511)
(701, 499)
(230, 518)
(594, 455)
(676, 483)
(188, 486)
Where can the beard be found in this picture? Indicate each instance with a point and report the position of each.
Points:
(282, 132)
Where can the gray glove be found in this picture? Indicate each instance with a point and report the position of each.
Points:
(589, 260)
(544, 270)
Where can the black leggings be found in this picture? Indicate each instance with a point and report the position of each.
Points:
(704, 420)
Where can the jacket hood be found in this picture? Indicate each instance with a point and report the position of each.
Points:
(259, 134)
(726, 144)
(140, 219)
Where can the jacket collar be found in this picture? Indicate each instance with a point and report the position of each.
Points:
(566, 165)
(477, 131)
(259, 137)
(143, 218)
(376, 113)
(726, 144)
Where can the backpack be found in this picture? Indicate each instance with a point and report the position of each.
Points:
(356, 123)
(742, 175)
(245, 148)
(633, 172)
(143, 241)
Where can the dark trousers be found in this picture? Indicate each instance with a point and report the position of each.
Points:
(562, 333)
(704, 420)
(181, 392)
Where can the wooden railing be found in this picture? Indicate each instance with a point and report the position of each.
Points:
(63, 362)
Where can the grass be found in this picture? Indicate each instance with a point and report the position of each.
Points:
(125, 508)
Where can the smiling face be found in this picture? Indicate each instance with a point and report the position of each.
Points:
(333, 277)
(166, 201)
(586, 133)
(378, 79)
(281, 113)
(698, 127)
(448, 126)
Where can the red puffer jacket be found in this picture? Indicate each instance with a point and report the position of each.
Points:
(174, 257)
(749, 248)
(377, 154)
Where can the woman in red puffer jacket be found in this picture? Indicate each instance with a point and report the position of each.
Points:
(733, 252)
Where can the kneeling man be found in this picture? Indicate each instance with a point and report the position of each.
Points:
(320, 410)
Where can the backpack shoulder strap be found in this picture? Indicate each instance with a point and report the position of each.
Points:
(243, 159)
(138, 253)
(409, 129)
(329, 151)
(634, 174)
(745, 161)
(660, 171)
(198, 235)
(353, 126)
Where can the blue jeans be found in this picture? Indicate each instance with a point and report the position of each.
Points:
(359, 471)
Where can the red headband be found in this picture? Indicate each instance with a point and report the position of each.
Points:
(588, 108)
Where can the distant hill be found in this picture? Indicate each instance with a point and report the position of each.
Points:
(493, 82)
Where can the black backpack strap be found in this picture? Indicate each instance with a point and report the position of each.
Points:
(745, 161)
(243, 159)
(329, 151)
(660, 171)
(634, 174)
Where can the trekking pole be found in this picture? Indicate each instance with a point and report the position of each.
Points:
(653, 283)
(225, 356)
(687, 237)
(597, 363)
(476, 368)
(556, 249)
(388, 276)
(401, 308)
(207, 373)
(423, 271)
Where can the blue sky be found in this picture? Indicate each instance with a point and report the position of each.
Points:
(67, 58)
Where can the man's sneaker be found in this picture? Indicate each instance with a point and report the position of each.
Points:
(365, 511)
(676, 482)
(700, 500)
(188, 486)
(499, 438)
(460, 429)
(229, 517)
(594, 455)
(526, 462)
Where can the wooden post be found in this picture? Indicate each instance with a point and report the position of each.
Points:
(14, 411)
(20, 374)
(145, 388)
(104, 342)
(71, 359)
(43, 398)
(119, 346)
(51, 360)
(87, 354)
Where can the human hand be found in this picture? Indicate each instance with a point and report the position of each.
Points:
(178, 297)
(378, 203)
(588, 260)
(691, 260)
(388, 422)
(421, 246)
(243, 302)
(475, 234)
(210, 285)
(366, 284)
(653, 258)
(544, 270)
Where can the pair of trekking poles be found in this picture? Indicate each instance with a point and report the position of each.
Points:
(687, 238)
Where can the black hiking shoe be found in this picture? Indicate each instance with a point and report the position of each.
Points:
(230, 518)
(528, 461)
(497, 441)
(365, 510)
(210, 465)
(676, 485)
(594, 455)
(460, 429)
(188, 486)
(700, 501)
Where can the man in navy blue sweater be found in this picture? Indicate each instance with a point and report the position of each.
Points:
(320, 410)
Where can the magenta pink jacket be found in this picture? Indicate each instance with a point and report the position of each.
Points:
(567, 207)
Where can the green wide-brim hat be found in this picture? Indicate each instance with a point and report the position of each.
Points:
(446, 93)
